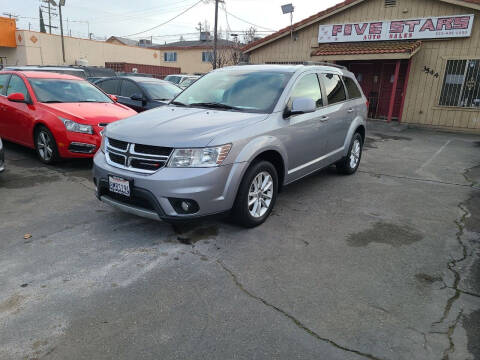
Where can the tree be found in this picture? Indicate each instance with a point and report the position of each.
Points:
(228, 53)
(250, 35)
(181, 38)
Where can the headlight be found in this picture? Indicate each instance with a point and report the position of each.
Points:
(102, 145)
(73, 126)
(1, 144)
(205, 157)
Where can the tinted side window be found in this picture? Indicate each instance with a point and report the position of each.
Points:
(129, 88)
(334, 88)
(352, 88)
(3, 83)
(16, 85)
(109, 86)
(308, 87)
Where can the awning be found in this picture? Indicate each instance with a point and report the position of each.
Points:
(367, 50)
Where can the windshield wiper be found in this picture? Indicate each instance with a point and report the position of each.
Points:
(178, 103)
(162, 99)
(52, 102)
(215, 105)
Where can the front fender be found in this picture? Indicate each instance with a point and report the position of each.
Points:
(259, 145)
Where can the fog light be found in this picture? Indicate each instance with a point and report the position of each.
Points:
(184, 206)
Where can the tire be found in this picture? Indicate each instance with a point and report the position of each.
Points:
(46, 146)
(349, 164)
(242, 212)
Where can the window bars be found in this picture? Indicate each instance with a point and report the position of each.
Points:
(461, 84)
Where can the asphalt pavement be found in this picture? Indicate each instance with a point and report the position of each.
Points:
(384, 264)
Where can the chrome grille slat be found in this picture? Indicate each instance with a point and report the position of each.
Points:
(129, 159)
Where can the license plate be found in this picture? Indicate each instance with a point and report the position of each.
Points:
(119, 186)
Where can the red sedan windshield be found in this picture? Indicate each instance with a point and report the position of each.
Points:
(67, 91)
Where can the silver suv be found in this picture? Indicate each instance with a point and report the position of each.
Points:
(231, 141)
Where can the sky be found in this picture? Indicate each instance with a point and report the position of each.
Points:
(128, 18)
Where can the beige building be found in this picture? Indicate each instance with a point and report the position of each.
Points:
(35, 48)
(193, 55)
(418, 61)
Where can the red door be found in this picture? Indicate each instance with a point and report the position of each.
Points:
(19, 117)
(376, 79)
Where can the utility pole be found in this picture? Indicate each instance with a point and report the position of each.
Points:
(60, 4)
(50, 14)
(10, 15)
(199, 28)
(215, 37)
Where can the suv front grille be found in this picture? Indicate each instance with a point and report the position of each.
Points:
(136, 157)
(121, 145)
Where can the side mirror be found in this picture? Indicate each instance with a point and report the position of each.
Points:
(16, 97)
(113, 97)
(137, 97)
(301, 105)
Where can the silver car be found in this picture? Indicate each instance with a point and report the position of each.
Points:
(231, 141)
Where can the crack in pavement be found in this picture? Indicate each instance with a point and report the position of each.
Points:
(472, 185)
(460, 223)
(453, 263)
(297, 322)
(451, 330)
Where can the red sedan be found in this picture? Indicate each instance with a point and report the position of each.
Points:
(60, 116)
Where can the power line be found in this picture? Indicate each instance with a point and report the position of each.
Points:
(136, 15)
(166, 22)
(248, 22)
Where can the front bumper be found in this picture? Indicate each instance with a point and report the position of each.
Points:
(213, 189)
(78, 145)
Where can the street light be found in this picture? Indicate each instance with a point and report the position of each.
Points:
(288, 9)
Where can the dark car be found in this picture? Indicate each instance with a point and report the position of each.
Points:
(139, 93)
(2, 157)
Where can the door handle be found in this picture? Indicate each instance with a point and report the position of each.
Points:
(324, 118)
(350, 110)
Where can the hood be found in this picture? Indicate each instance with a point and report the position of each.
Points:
(173, 126)
(91, 113)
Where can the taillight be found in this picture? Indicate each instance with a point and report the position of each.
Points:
(368, 104)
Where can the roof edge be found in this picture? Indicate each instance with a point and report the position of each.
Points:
(302, 24)
(472, 4)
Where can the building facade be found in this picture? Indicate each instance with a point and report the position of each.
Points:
(418, 61)
(36, 48)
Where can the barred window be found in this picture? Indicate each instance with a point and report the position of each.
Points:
(207, 56)
(461, 84)
(170, 56)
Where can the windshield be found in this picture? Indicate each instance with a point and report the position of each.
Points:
(67, 91)
(187, 82)
(173, 79)
(161, 90)
(243, 90)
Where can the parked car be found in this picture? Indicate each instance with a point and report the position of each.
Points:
(135, 74)
(139, 93)
(188, 81)
(2, 157)
(177, 78)
(91, 73)
(54, 69)
(231, 141)
(60, 116)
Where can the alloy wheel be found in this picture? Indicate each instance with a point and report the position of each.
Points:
(260, 194)
(355, 154)
(45, 146)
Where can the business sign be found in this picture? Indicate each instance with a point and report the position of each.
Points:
(411, 29)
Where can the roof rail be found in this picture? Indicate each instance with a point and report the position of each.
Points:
(323, 63)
